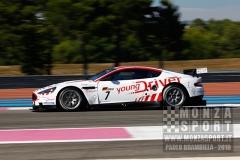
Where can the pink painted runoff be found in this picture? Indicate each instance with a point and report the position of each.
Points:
(63, 134)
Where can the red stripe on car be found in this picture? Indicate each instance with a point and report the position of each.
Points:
(146, 99)
(159, 97)
(153, 97)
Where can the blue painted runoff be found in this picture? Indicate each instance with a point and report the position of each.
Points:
(210, 100)
(222, 99)
(16, 103)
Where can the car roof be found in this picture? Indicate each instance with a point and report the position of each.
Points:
(119, 68)
(137, 67)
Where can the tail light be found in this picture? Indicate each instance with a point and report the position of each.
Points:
(34, 97)
(198, 84)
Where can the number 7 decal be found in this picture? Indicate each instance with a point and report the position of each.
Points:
(108, 92)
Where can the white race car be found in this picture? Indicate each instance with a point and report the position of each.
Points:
(125, 84)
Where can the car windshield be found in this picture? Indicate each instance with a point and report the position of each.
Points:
(100, 74)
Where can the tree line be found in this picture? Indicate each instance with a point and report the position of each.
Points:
(37, 34)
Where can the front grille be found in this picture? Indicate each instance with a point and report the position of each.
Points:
(34, 97)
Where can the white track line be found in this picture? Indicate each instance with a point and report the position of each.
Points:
(156, 132)
(137, 133)
(225, 105)
(18, 108)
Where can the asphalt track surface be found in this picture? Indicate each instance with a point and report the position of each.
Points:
(12, 82)
(94, 150)
(102, 118)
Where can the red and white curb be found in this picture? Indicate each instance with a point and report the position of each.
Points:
(87, 134)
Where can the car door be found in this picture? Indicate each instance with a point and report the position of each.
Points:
(154, 89)
(122, 86)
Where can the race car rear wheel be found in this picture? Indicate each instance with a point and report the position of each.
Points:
(174, 95)
(70, 99)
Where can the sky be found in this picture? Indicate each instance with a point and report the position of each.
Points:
(207, 9)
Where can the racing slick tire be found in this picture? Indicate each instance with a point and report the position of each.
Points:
(175, 96)
(70, 99)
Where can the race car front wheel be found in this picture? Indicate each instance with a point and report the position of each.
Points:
(70, 99)
(174, 95)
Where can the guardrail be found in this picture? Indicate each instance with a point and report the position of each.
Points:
(41, 81)
(35, 81)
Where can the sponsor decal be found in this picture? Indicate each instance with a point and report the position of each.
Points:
(90, 90)
(142, 86)
(142, 83)
(108, 91)
(150, 98)
(129, 88)
(104, 89)
(50, 99)
(49, 103)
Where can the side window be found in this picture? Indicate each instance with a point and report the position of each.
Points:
(130, 74)
(139, 74)
(152, 74)
(123, 75)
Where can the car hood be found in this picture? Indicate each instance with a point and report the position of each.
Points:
(76, 81)
(80, 82)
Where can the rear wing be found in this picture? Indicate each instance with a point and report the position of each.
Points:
(195, 72)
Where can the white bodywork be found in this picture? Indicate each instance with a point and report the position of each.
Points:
(134, 90)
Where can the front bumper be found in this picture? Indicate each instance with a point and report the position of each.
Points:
(43, 107)
(43, 102)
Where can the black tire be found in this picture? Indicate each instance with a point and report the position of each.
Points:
(175, 96)
(70, 99)
(85, 105)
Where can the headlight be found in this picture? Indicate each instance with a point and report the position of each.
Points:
(47, 91)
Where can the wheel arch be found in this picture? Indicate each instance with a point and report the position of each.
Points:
(179, 84)
(80, 91)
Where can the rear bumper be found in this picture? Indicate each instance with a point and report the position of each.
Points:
(198, 101)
